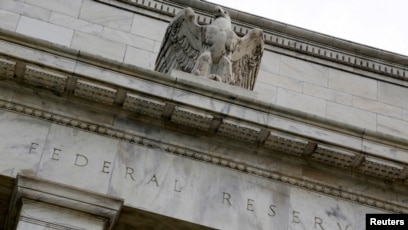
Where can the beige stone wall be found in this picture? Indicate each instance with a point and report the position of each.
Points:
(285, 79)
(335, 94)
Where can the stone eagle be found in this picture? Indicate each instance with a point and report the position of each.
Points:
(212, 51)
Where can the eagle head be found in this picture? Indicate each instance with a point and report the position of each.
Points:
(220, 12)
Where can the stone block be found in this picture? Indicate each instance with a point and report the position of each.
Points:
(327, 94)
(314, 132)
(98, 46)
(384, 151)
(145, 86)
(352, 84)
(301, 102)
(45, 31)
(304, 71)
(392, 126)
(76, 24)
(241, 112)
(70, 7)
(22, 142)
(377, 107)
(50, 60)
(155, 30)
(393, 94)
(157, 46)
(105, 15)
(140, 57)
(186, 97)
(70, 151)
(25, 9)
(8, 20)
(129, 39)
(279, 81)
(266, 92)
(405, 115)
(351, 116)
(270, 62)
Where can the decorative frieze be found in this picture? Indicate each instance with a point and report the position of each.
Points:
(239, 130)
(7, 68)
(174, 148)
(285, 143)
(95, 92)
(45, 78)
(144, 105)
(381, 168)
(191, 118)
(334, 156)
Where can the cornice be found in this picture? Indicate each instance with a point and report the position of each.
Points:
(171, 148)
(285, 36)
(136, 90)
(62, 75)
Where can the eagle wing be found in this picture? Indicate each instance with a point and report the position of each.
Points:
(182, 43)
(246, 59)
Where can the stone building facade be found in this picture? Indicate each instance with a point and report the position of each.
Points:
(93, 138)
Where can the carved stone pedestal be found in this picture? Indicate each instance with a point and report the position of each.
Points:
(38, 204)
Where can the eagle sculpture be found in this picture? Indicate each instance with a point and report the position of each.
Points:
(212, 51)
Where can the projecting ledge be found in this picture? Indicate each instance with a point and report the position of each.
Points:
(37, 202)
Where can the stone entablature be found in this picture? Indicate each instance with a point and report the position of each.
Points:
(287, 78)
(211, 108)
(288, 37)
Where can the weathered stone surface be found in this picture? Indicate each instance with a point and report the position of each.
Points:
(25, 9)
(105, 15)
(70, 8)
(392, 126)
(377, 107)
(8, 20)
(155, 31)
(76, 24)
(45, 31)
(393, 94)
(302, 102)
(129, 39)
(22, 138)
(140, 57)
(266, 92)
(327, 94)
(280, 81)
(99, 46)
(303, 71)
(352, 116)
(352, 84)
(271, 62)
(69, 151)
(55, 61)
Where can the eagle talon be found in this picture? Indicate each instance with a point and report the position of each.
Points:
(214, 77)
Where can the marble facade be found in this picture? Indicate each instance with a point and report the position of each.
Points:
(320, 142)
